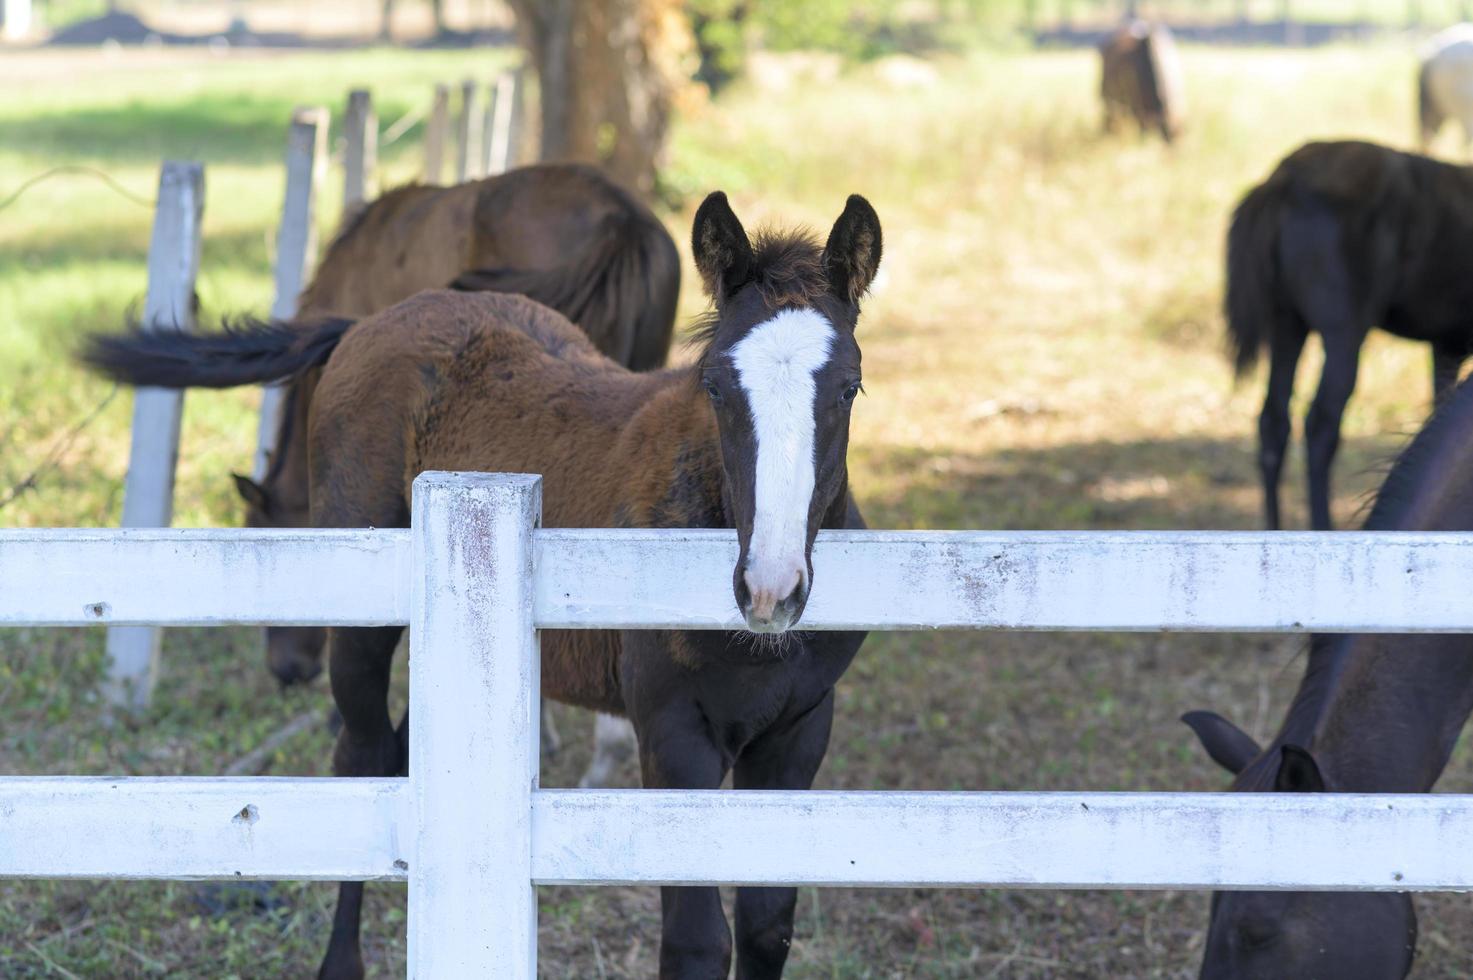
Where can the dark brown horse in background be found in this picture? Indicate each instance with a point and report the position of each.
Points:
(565, 235)
(1340, 238)
(753, 437)
(1141, 78)
(1374, 714)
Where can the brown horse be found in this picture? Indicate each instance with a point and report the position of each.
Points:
(565, 235)
(1141, 77)
(1340, 238)
(1374, 714)
(754, 437)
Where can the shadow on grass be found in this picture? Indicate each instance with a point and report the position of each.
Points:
(1153, 484)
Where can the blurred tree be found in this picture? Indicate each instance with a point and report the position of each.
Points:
(439, 8)
(719, 27)
(386, 21)
(607, 73)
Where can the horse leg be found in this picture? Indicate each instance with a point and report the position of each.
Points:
(1446, 363)
(787, 759)
(1322, 424)
(676, 752)
(1285, 345)
(613, 742)
(359, 662)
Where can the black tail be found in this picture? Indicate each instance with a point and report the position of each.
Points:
(246, 352)
(621, 288)
(1252, 280)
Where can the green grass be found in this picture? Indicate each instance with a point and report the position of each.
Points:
(1044, 351)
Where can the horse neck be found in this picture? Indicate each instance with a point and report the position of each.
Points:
(1381, 712)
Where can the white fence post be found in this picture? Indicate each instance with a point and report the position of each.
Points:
(473, 744)
(503, 124)
(148, 496)
(435, 129)
(360, 154)
(468, 135)
(296, 250)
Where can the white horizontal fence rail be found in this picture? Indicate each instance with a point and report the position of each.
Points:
(197, 577)
(1373, 582)
(1350, 581)
(181, 827)
(472, 832)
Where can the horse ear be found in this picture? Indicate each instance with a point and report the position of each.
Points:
(252, 493)
(1298, 772)
(1226, 744)
(852, 256)
(721, 248)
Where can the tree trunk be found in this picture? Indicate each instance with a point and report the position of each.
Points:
(438, 6)
(607, 73)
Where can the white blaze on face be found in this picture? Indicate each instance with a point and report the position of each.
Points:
(775, 365)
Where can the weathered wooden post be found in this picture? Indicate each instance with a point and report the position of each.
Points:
(504, 123)
(468, 135)
(474, 683)
(360, 155)
(148, 494)
(296, 249)
(435, 128)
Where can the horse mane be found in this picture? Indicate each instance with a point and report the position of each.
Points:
(1407, 474)
(388, 200)
(787, 269)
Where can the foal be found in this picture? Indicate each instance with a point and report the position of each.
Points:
(754, 437)
(564, 234)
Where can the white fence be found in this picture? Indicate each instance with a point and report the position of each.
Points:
(473, 833)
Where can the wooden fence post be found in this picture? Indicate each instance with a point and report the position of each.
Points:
(360, 156)
(504, 123)
(468, 135)
(148, 496)
(435, 128)
(296, 249)
(473, 743)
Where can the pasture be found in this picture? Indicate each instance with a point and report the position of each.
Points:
(1044, 351)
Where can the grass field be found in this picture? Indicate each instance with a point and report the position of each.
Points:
(1043, 352)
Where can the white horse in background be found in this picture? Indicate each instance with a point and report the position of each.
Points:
(1445, 84)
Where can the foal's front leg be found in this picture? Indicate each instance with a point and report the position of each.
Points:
(360, 661)
(676, 752)
(784, 759)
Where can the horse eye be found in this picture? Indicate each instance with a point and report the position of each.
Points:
(851, 393)
(712, 391)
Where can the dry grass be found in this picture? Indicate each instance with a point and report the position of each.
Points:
(1044, 352)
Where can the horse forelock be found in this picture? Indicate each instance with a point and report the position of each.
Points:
(787, 270)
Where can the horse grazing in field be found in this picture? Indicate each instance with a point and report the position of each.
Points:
(753, 436)
(1374, 714)
(1445, 85)
(1340, 238)
(564, 235)
(1141, 77)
